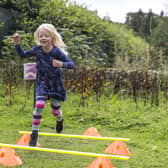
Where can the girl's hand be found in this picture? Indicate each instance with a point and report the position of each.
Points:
(57, 63)
(16, 38)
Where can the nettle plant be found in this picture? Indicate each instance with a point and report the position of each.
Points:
(86, 81)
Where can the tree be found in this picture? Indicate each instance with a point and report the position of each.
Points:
(142, 23)
(136, 21)
(160, 36)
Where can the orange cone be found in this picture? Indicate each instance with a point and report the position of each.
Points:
(118, 147)
(8, 157)
(101, 162)
(24, 140)
(92, 132)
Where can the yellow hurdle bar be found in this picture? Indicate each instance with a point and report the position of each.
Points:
(65, 151)
(77, 136)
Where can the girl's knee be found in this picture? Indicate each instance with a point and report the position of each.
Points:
(56, 112)
(40, 104)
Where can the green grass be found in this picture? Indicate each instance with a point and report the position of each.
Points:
(146, 126)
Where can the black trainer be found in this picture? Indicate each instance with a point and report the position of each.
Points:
(34, 138)
(59, 125)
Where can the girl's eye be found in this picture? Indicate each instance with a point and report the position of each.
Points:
(46, 36)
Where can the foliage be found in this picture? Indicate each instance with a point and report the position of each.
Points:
(7, 23)
(11, 69)
(153, 29)
(27, 8)
(131, 51)
(90, 39)
(90, 36)
(142, 23)
(86, 81)
(159, 37)
(8, 51)
(138, 84)
(10, 76)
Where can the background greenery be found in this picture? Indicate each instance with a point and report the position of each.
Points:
(140, 42)
(119, 85)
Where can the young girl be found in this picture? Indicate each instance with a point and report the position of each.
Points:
(50, 58)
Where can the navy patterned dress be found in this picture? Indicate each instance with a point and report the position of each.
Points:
(49, 79)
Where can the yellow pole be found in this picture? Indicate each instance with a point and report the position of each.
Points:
(65, 151)
(77, 136)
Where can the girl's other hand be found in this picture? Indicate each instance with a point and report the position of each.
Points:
(16, 38)
(57, 63)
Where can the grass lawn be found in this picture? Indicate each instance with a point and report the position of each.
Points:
(146, 126)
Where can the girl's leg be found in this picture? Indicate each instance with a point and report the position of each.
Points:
(56, 111)
(37, 115)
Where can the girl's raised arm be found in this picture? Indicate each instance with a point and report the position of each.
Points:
(17, 39)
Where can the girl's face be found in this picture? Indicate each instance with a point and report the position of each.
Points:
(45, 39)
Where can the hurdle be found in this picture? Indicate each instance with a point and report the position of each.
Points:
(77, 136)
(65, 151)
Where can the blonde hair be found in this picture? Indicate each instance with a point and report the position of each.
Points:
(57, 39)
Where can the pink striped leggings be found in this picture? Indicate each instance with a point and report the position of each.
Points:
(39, 107)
